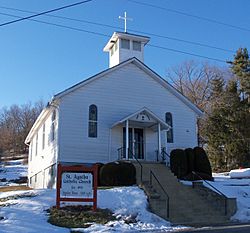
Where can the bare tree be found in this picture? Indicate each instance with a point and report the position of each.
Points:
(193, 80)
(15, 123)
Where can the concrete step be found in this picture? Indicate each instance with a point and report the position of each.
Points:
(186, 204)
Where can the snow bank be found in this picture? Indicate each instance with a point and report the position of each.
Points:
(240, 173)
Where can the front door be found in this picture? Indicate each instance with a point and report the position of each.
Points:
(136, 142)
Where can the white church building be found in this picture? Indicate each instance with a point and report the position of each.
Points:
(123, 112)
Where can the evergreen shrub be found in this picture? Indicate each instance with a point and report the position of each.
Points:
(183, 162)
(201, 162)
(117, 174)
(190, 159)
(99, 166)
(179, 163)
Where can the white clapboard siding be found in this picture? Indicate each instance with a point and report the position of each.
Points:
(117, 95)
(46, 156)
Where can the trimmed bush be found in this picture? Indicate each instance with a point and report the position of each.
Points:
(190, 158)
(201, 162)
(117, 174)
(179, 163)
(127, 173)
(183, 162)
(99, 165)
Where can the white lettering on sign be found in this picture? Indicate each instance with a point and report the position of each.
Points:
(77, 185)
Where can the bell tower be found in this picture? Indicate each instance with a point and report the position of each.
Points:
(124, 45)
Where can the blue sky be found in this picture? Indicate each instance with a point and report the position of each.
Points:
(39, 60)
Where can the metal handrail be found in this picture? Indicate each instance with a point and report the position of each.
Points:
(150, 181)
(164, 155)
(163, 152)
(133, 156)
(222, 194)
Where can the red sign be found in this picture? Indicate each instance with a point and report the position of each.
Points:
(76, 184)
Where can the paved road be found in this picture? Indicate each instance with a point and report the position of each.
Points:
(222, 229)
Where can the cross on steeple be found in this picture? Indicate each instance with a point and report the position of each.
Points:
(125, 18)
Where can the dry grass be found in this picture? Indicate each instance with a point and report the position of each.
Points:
(78, 216)
(14, 188)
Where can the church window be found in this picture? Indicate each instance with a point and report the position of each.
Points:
(169, 121)
(136, 45)
(125, 44)
(92, 121)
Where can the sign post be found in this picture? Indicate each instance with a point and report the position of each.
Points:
(76, 184)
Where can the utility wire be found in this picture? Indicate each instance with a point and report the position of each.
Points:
(60, 25)
(187, 53)
(136, 31)
(106, 35)
(44, 12)
(191, 15)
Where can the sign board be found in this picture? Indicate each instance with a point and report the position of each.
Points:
(76, 183)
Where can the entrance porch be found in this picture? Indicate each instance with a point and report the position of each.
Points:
(142, 132)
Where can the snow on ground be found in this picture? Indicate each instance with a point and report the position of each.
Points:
(240, 173)
(28, 214)
(12, 170)
(238, 188)
(235, 188)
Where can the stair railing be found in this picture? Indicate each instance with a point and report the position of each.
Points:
(121, 156)
(164, 155)
(217, 190)
(152, 175)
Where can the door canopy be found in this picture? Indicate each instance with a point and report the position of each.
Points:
(144, 118)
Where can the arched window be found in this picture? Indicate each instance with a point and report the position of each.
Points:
(92, 121)
(169, 121)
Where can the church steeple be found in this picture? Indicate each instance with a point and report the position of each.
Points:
(123, 46)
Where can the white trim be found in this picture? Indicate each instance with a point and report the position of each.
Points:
(127, 138)
(159, 138)
(164, 126)
(123, 35)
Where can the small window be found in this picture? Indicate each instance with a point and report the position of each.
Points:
(136, 45)
(53, 128)
(112, 51)
(36, 143)
(31, 148)
(43, 142)
(169, 121)
(116, 45)
(92, 121)
(125, 44)
(52, 170)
